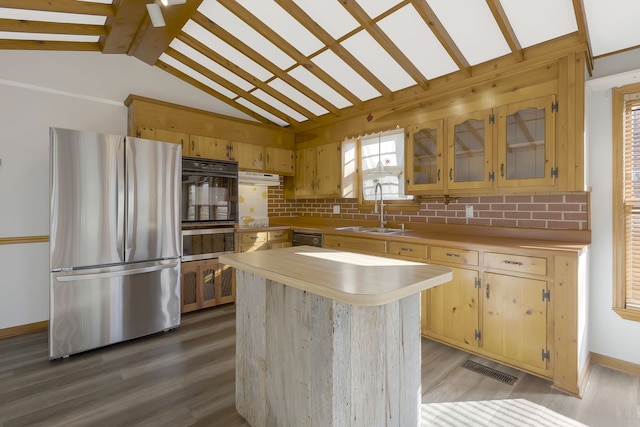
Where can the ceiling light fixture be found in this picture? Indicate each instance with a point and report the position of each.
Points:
(379, 170)
(155, 14)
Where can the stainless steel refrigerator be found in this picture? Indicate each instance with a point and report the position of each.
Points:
(114, 239)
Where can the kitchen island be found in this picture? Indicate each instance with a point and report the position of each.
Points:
(328, 338)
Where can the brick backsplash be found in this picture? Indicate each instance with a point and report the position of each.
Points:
(557, 211)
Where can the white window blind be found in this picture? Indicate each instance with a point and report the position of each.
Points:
(631, 198)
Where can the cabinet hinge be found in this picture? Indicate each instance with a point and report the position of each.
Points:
(554, 172)
(554, 107)
(546, 295)
(138, 134)
(477, 335)
(477, 283)
(492, 118)
(546, 356)
(492, 176)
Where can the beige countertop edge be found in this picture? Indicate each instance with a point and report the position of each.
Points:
(336, 294)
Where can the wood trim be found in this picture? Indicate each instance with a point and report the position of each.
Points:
(63, 6)
(613, 363)
(23, 239)
(14, 331)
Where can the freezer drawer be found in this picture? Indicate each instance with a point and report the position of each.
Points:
(98, 307)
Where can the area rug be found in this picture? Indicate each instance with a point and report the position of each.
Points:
(504, 413)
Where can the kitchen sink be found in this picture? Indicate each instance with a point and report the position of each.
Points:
(380, 230)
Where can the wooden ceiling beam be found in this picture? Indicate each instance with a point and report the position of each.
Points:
(62, 6)
(427, 14)
(10, 44)
(231, 40)
(24, 26)
(290, 50)
(179, 74)
(228, 85)
(387, 44)
(505, 27)
(583, 31)
(300, 15)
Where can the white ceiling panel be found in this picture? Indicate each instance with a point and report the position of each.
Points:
(416, 40)
(375, 8)
(48, 37)
(251, 106)
(473, 29)
(330, 15)
(307, 78)
(297, 96)
(345, 75)
(36, 15)
(539, 21)
(197, 76)
(613, 24)
(362, 46)
(227, 51)
(211, 65)
(263, 96)
(284, 24)
(237, 27)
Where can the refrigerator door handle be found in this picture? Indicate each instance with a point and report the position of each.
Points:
(72, 278)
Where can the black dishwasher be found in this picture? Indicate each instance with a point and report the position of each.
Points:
(309, 238)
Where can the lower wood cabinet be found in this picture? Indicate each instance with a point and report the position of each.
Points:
(515, 306)
(251, 241)
(205, 284)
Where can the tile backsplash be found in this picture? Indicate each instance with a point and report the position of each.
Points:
(557, 211)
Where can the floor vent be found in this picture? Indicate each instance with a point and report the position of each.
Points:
(490, 372)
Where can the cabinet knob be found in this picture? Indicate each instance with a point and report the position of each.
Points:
(451, 174)
(487, 291)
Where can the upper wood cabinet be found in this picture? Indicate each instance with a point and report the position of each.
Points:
(526, 143)
(147, 132)
(424, 157)
(249, 156)
(209, 148)
(470, 150)
(318, 171)
(278, 160)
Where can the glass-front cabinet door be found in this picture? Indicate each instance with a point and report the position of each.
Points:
(526, 143)
(469, 150)
(424, 168)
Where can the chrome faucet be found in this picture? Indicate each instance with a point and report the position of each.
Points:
(375, 206)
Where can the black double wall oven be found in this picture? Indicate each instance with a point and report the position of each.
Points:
(209, 207)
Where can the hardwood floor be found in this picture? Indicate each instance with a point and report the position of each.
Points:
(186, 377)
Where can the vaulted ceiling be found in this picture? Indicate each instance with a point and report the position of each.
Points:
(301, 63)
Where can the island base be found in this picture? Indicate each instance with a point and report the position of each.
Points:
(307, 360)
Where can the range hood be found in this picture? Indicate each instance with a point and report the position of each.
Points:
(258, 178)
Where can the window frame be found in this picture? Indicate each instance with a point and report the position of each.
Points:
(411, 204)
(619, 258)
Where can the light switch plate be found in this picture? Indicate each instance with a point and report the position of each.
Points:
(336, 209)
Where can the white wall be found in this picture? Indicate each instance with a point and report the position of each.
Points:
(78, 90)
(609, 334)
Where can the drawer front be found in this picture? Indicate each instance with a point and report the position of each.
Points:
(278, 245)
(251, 247)
(280, 235)
(355, 243)
(259, 236)
(518, 263)
(408, 250)
(454, 255)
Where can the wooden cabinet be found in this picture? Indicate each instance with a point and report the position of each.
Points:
(249, 156)
(209, 148)
(424, 157)
(470, 151)
(278, 160)
(262, 240)
(498, 308)
(356, 244)
(318, 171)
(147, 132)
(205, 284)
(508, 148)
(526, 144)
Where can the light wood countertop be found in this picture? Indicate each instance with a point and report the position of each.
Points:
(344, 276)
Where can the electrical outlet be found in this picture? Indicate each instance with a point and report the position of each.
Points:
(336, 209)
(468, 211)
